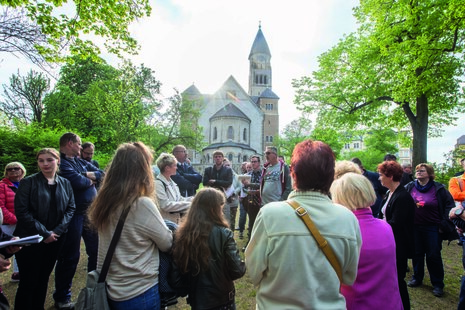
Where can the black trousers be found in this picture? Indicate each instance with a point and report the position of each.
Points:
(36, 263)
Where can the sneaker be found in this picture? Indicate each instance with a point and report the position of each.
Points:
(414, 283)
(15, 277)
(438, 292)
(66, 305)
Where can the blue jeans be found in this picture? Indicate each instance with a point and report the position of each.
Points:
(428, 243)
(242, 216)
(69, 257)
(149, 300)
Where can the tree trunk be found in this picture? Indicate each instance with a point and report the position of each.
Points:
(420, 131)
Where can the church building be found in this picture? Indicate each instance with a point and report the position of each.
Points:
(237, 122)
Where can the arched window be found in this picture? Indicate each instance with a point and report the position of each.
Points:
(215, 133)
(244, 135)
(266, 79)
(230, 133)
(239, 158)
(245, 158)
(208, 158)
(230, 157)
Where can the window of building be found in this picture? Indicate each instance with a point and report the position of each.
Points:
(269, 106)
(244, 158)
(239, 158)
(215, 133)
(347, 146)
(356, 145)
(244, 134)
(230, 157)
(267, 139)
(230, 133)
(271, 138)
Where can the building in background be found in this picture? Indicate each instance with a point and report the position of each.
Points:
(237, 122)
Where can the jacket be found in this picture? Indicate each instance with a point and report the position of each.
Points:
(83, 188)
(170, 202)
(223, 177)
(456, 187)
(445, 204)
(215, 287)
(32, 206)
(400, 214)
(284, 261)
(7, 201)
(380, 190)
(187, 179)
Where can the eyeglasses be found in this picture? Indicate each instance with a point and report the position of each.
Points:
(88, 153)
(421, 170)
(13, 169)
(254, 161)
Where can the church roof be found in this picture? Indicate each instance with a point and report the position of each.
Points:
(259, 44)
(268, 93)
(192, 90)
(216, 146)
(229, 110)
(461, 140)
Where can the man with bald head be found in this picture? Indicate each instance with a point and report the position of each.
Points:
(186, 177)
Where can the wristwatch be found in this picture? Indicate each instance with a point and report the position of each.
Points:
(458, 212)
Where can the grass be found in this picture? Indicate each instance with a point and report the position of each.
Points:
(420, 297)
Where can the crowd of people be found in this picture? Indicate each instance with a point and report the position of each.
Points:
(336, 219)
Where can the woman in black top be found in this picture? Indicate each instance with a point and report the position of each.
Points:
(44, 205)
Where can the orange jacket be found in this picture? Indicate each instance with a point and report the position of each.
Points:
(456, 187)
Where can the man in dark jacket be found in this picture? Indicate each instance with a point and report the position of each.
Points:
(218, 176)
(186, 177)
(83, 177)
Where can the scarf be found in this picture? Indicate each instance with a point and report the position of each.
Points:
(424, 188)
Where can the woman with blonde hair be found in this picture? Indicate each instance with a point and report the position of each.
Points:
(173, 206)
(44, 205)
(345, 166)
(133, 275)
(12, 175)
(355, 192)
(205, 250)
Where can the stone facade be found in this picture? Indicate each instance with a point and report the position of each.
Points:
(237, 122)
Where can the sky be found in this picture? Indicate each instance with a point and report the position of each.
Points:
(203, 42)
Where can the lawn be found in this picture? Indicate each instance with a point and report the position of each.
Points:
(420, 297)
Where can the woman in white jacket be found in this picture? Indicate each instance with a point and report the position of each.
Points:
(172, 205)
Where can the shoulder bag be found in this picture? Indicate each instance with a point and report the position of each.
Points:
(322, 243)
(94, 295)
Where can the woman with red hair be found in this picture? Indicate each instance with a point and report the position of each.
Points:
(398, 209)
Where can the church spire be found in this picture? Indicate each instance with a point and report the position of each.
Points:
(260, 66)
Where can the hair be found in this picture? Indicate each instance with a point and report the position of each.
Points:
(345, 166)
(255, 156)
(312, 166)
(191, 251)
(392, 169)
(218, 152)
(358, 162)
(353, 191)
(128, 177)
(429, 170)
(87, 145)
(179, 146)
(165, 160)
(69, 136)
(462, 160)
(405, 165)
(14, 164)
(273, 149)
(389, 157)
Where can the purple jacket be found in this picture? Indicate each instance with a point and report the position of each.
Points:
(376, 285)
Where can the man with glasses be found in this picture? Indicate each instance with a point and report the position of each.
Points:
(186, 177)
(87, 153)
(276, 180)
(251, 188)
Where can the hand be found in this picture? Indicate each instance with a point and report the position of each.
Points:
(4, 264)
(452, 212)
(211, 181)
(91, 175)
(245, 182)
(52, 238)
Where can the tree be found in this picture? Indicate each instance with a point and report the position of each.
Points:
(47, 30)
(295, 132)
(403, 67)
(24, 96)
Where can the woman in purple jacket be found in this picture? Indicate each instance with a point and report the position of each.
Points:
(377, 263)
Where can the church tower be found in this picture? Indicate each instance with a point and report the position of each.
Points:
(260, 66)
(260, 87)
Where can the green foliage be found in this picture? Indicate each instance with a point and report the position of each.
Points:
(293, 133)
(330, 136)
(68, 25)
(402, 68)
(24, 141)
